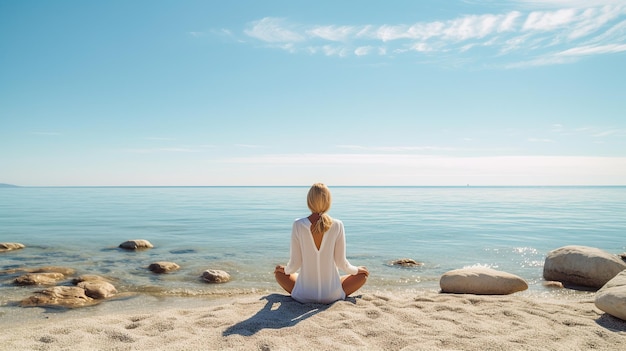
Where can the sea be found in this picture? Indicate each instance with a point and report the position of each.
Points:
(245, 231)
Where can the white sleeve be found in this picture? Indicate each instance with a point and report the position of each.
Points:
(295, 253)
(340, 254)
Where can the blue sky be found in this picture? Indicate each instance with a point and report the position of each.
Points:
(429, 92)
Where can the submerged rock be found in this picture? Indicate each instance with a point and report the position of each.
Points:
(136, 244)
(39, 279)
(481, 281)
(582, 265)
(406, 262)
(10, 246)
(54, 269)
(66, 296)
(49, 269)
(215, 276)
(163, 267)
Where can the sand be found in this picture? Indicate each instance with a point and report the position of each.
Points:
(369, 321)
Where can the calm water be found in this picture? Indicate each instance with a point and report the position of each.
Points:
(246, 230)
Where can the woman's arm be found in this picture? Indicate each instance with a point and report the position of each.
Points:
(295, 252)
(340, 253)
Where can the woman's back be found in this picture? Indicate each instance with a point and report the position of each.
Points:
(319, 279)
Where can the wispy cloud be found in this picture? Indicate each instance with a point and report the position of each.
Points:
(274, 30)
(600, 133)
(552, 32)
(590, 131)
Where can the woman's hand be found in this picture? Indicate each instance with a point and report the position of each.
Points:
(363, 270)
(279, 269)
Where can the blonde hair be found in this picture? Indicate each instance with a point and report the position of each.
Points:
(319, 200)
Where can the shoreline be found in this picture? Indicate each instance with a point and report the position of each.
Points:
(271, 320)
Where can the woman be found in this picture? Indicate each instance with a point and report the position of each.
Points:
(318, 249)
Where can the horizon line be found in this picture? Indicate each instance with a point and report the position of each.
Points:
(5, 185)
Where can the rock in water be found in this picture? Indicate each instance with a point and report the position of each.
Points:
(39, 279)
(66, 296)
(136, 244)
(406, 262)
(10, 246)
(163, 267)
(215, 276)
(582, 265)
(98, 289)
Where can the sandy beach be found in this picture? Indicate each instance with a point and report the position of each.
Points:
(368, 321)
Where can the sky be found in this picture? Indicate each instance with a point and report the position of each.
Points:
(211, 93)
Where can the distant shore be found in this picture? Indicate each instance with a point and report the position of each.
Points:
(369, 321)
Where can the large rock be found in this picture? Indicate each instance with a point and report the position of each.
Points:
(481, 281)
(136, 244)
(611, 298)
(39, 279)
(10, 246)
(66, 296)
(163, 267)
(215, 276)
(582, 265)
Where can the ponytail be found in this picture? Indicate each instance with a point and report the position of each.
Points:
(323, 224)
(319, 200)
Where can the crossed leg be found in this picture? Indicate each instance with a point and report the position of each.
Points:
(286, 281)
(352, 283)
(349, 283)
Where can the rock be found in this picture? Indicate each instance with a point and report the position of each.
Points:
(481, 281)
(553, 284)
(611, 298)
(98, 289)
(39, 279)
(582, 265)
(623, 256)
(136, 244)
(163, 267)
(215, 276)
(66, 296)
(89, 278)
(10, 246)
(406, 262)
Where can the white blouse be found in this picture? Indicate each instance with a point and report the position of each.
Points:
(318, 281)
